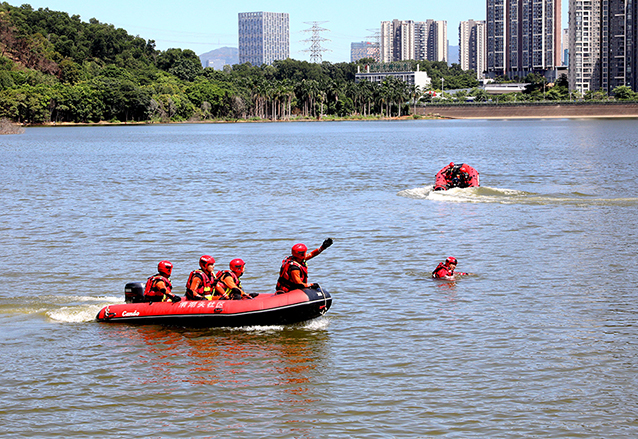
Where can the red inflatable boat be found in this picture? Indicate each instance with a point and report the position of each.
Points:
(456, 176)
(264, 310)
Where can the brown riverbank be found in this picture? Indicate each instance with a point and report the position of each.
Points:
(469, 111)
(563, 110)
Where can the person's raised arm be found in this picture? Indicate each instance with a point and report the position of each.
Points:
(326, 243)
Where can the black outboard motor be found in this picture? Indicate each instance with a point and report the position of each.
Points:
(134, 292)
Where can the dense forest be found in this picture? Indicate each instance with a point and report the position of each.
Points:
(57, 68)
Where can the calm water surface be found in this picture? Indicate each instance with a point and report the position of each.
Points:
(540, 342)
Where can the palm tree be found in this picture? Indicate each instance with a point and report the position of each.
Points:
(384, 96)
(289, 93)
(415, 93)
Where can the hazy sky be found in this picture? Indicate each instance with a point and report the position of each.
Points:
(204, 26)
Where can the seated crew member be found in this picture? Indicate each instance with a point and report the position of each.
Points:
(456, 176)
(159, 287)
(445, 270)
(229, 283)
(293, 274)
(201, 283)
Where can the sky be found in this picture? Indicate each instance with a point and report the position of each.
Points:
(205, 26)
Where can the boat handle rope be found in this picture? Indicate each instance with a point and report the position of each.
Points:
(325, 301)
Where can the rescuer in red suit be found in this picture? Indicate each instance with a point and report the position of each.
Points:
(159, 287)
(201, 283)
(229, 285)
(294, 270)
(445, 270)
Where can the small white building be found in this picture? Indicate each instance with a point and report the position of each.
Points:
(499, 89)
(418, 78)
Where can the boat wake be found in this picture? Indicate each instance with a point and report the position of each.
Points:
(318, 324)
(486, 194)
(57, 308)
(82, 309)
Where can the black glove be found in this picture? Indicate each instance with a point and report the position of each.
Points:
(176, 299)
(253, 295)
(314, 286)
(235, 294)
(327, 243)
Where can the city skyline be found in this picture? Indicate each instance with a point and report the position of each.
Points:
(202, 27)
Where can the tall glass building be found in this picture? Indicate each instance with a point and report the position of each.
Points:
(263, 37)
(364, 49)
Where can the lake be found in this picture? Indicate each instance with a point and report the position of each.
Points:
(539, 341)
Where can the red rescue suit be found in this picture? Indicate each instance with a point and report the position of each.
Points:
(153, 293)
(206, 285)
(456, 176)
(288, 265)
(443, 270)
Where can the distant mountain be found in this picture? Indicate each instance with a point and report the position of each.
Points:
(218, 58)
(453, 55)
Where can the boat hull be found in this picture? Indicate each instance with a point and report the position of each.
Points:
(265, 310)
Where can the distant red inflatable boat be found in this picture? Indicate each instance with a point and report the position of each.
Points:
(264, 310)
(452, 176)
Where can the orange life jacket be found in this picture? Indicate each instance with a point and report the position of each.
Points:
(221, 275)
(288, 265)
(152, 291)
(206, 285)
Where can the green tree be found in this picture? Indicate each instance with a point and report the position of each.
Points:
(184, 64)
(623, 93)
(208, 92)
(480, 95)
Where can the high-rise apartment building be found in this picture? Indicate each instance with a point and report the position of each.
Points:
(584, 45)
(263, 37)
(413, 40)
(397, 40)
(439, 43)
(472, 46)
(523, 36)
(603, 39)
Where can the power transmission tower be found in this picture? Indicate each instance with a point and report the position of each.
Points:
(315, 41)
(376, 43)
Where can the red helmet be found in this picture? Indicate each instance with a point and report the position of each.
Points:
(205, 261)
(165, 268)
(465, 169)
(451, 260)
(237, 264)
(299, 250)
(451, 164)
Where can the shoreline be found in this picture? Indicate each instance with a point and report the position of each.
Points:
(430, 112)
(330, 119)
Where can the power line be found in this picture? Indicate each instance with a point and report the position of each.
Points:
(315, 41)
